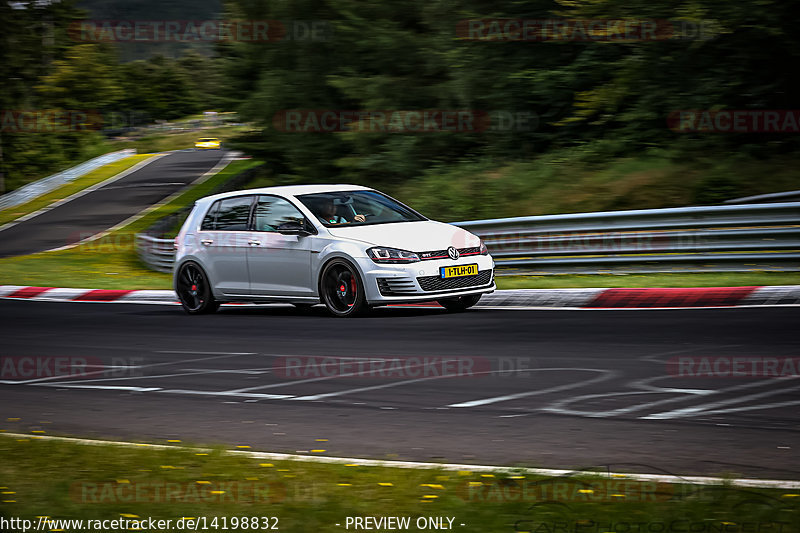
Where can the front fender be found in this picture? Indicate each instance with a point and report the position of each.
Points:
(350, 251)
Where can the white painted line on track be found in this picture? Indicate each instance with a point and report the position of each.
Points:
(702, 408)
(225, 371)
(83, 192)
(365, 389)
(752, 407)
(126, 378)
(222, 355)
(608, 374)
(558, 407)
(222, 163)
(313, 380)
(550, 472)
(102, 387)
(228, 394)
(190, 352)
(645, 384)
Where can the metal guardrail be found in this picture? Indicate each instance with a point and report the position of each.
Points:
(45, 185)
(709, 238)
(786, 196)
(158, 254)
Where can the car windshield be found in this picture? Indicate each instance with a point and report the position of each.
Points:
(207, 140)
(357, 208)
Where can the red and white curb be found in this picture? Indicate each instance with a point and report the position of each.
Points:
(647, 298)
(57, 294)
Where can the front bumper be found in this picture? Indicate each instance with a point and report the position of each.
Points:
(421, 281)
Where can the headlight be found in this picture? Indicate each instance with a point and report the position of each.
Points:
(391, 255)
(484, 249)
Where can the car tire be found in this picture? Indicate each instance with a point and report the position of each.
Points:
(194, 290)
(341, 289)
(460, 303)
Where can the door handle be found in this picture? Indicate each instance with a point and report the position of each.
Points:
(207, 241)
(254, 243)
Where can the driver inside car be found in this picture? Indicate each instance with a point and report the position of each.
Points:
(329, 213)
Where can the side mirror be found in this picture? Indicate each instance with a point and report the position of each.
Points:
(293, 228)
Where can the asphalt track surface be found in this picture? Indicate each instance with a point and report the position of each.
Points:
(547, 388)
(107, 206)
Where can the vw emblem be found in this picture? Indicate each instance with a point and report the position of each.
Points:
(453, 253)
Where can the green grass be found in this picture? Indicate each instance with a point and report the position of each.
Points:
(111, 261)
(92, 178)
(66, 480)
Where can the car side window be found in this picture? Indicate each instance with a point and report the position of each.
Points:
(233, 214)
(273, 212)
(210, 220)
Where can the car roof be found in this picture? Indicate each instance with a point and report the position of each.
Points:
(290, 190)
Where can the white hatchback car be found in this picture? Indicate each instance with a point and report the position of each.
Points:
(346, 246)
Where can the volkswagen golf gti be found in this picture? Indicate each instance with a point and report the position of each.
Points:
(345, 246)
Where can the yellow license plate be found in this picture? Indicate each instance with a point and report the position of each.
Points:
(459, 271)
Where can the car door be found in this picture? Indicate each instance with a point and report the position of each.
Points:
(279, 264)
(224, 239)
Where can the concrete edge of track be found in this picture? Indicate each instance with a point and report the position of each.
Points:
(660, 478)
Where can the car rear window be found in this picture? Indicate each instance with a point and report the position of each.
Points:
(229, 214)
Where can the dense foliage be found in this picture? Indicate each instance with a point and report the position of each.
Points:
(587, 99)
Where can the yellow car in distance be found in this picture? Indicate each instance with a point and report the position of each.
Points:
(208, 143)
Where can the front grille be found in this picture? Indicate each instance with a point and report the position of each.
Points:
(396, 286)
(442, 254)
(436, 283)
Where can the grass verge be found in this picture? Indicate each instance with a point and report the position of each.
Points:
(64, 480)
(87, 180)
(111, 261)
